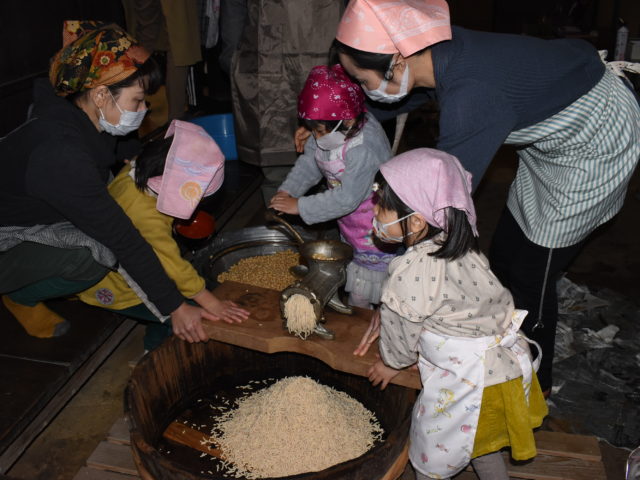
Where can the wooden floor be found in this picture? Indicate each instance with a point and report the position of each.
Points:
(112, 459)
(561, 456)
(38, 376)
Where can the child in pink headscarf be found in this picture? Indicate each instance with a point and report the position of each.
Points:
(443, 308)
(167, 181)
(349, 146)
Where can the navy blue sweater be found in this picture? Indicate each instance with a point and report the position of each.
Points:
(490, 84)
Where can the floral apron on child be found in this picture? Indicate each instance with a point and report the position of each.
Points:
(356, 227)
(445, 416)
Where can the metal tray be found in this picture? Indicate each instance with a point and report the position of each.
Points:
(228, 248)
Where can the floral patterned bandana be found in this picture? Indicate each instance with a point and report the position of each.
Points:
(94, 53)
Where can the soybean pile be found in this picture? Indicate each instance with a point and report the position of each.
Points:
(266, 271)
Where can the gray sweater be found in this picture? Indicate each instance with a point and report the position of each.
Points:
(362, 161)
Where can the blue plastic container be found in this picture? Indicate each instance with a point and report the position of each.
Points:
(220, 127)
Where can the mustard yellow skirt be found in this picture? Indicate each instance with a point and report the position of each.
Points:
(506, 420)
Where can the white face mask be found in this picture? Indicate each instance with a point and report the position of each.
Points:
(331, 140)
(380, 230)
(129, 121)
(380, 95)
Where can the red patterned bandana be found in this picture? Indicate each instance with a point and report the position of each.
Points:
(329, 94)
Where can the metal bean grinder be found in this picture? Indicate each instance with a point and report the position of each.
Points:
(319, 280)
(324, 272)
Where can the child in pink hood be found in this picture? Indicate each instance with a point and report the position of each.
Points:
(443, 308)
(167, 181)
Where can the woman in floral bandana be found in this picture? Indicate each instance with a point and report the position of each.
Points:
(53, 190)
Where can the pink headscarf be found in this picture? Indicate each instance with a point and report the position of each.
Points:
(428, 181)
(329, 94)
(391, 26)
(194, 168)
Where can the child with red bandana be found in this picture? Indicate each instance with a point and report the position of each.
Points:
(347, 149)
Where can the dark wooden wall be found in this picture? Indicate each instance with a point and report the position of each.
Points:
(30, 34)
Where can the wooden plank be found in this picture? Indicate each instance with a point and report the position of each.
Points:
(546, 467)
(114, 458)
(560, 444)
(75, 382)
(119, 432)
(190, 437)
(465, 475)
(397, 470)
(263, 331)
(87, 473)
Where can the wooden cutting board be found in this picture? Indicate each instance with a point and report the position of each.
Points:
(264, 331)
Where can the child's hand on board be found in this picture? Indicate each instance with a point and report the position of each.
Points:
(217, 309)
(300, 138)
(283, 202)
(380, 374)
(370, 336)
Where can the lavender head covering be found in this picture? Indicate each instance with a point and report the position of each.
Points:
(428, 181)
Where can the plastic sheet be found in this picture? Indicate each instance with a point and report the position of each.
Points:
(597, 364)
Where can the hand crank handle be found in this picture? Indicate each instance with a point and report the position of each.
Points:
(270, 215)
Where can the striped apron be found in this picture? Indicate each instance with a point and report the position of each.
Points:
(575, 166)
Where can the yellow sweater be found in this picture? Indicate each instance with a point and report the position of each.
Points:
(156, 228)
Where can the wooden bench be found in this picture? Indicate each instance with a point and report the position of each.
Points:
(112, 459)
(561, 456)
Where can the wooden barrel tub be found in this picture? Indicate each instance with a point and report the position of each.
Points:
(170, 378)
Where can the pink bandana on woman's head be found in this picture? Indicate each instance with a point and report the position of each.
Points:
(329, 94)
(391, 26)
(428, 181)
(194, 168)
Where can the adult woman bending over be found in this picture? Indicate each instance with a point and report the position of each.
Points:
(577, 126)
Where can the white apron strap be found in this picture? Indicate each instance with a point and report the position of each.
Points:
(510, 340)
(619, 67)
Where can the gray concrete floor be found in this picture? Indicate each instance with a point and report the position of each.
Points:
(610, 258)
